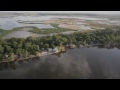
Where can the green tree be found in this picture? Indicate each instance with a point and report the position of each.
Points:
(11, 56)
(52, 46)
(19, 51)
(1, 49)
(46, 46)
(36, 47)
(14, 44)
(26, 53)
(19, 45)
(37, 53)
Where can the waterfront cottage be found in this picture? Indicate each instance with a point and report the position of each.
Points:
(50, 49)
(31, 56)
(43, 53)
(55, 50)
(72, 46)
(81, 46)
(66, 45)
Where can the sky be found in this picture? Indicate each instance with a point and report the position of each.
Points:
(89, 12)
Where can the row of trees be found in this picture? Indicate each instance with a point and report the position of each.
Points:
(33, 45)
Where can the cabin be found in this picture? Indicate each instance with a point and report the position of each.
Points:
(81, 46)
(31, 56)
(87, 45)
(72, 46)
(50, 49)
(55, 50)
(43, 52)
(66, 45)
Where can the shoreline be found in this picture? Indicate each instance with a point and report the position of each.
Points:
(53, 53)
(48, 53)
(30, 57)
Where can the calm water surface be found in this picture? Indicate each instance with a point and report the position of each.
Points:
(93, 62)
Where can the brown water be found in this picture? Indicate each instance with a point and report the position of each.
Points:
(93, 62)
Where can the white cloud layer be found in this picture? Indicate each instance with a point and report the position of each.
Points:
(86, 12)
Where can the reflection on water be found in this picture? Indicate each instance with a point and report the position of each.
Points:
(5, 66)
(12, 65)
(93, 62)
(20, 61)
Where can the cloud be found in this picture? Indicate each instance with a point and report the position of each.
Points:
(86, 12)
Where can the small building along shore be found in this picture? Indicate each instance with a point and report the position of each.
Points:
(38, 54)
(55, 50)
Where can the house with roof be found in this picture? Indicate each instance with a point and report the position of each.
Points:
(50, 49)
(55, 50)
(72, 46)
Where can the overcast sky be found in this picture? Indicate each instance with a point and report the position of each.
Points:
(92, 12)
(95, 12)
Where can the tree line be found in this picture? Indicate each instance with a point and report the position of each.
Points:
(34, 45)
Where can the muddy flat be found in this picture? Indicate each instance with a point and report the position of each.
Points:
(80, 24)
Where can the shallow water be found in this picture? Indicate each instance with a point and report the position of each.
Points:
(9, 23)
(93, 62)
(24, 33)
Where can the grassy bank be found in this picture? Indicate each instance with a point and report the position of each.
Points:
(6, 32)
(56, 29)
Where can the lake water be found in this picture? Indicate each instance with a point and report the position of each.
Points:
(86, 63)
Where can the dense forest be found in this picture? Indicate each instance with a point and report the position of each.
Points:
(34, 45)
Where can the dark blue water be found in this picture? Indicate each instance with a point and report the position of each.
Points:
(86, 63)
